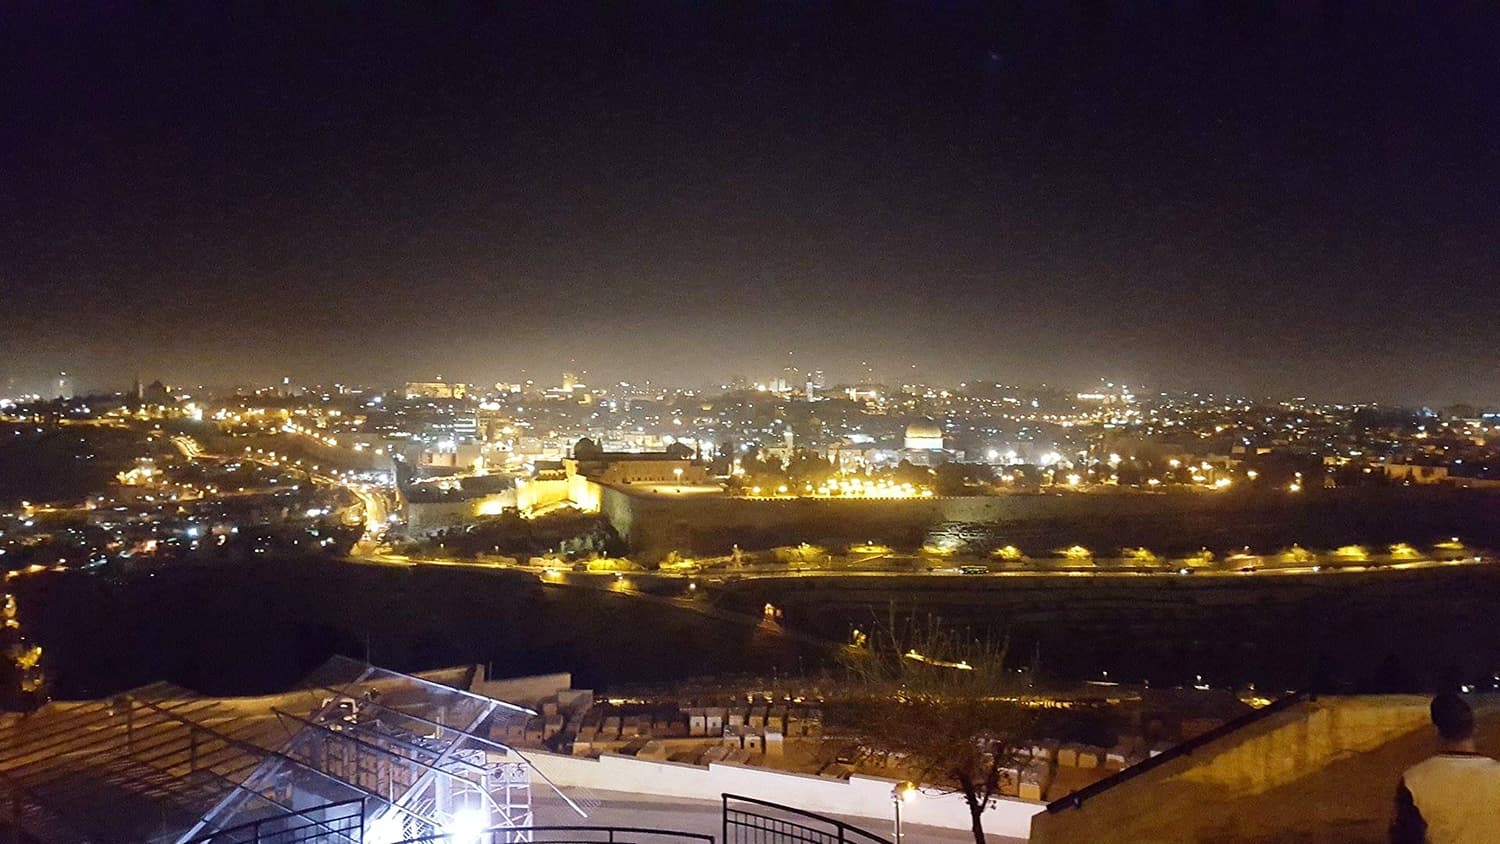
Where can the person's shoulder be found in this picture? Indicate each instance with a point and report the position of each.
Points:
(1420, 768)
(1451, 761)
(1478, 759)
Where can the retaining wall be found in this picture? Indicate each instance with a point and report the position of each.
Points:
(862, 797)
(1324, 770)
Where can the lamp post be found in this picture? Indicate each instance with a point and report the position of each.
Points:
(902, 792)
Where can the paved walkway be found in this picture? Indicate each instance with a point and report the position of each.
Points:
(613, 808)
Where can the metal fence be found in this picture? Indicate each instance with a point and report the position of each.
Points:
(571, 835)
(746, 820)
(332, 823)
(751, 821)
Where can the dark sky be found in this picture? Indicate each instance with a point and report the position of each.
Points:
(1299, 200)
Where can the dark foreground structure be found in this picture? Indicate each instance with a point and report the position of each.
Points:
(1306, 769)
(354, 754)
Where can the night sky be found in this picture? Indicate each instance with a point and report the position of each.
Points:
(1300, 200)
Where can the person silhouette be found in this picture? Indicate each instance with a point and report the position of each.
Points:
(1452, 797)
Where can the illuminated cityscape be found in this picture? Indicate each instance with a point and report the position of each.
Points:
(855, 423)
(681, 497)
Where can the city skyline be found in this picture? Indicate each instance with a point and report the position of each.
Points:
(72, 384)
(101, 381)
(1288, 202)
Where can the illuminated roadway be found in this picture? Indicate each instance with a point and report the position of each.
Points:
(562, 568)
(376, 513)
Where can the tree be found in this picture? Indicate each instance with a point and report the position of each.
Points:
(962, 478)
(928, 697)
(23, 683)
(806, 467)
(907, 473)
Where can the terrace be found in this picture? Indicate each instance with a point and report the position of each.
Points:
(359, 754)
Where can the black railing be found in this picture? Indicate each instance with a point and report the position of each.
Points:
(569, 835)
(749, 820)
(331, 823)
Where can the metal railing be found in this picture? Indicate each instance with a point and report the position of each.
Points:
(745, 820)
(749, 820)
(331, 823)
(570, 835)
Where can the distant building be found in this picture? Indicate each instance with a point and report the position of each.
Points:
(924, 435)
(435, 390)
(1417, 474)
(675, 465)
(466, 426)
(155, 393)
(432, 507)
(452, 455)
(849, 456)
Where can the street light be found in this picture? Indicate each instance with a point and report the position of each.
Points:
(902, 792)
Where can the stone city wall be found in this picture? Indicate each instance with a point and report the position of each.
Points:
(654, 523)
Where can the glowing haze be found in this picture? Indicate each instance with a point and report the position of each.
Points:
(1299, 200)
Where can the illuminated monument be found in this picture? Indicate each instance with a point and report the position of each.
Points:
(924, 435)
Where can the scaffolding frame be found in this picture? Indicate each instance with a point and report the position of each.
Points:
(410, 747)
(163, 764)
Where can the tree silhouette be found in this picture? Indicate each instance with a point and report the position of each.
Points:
(926, 696)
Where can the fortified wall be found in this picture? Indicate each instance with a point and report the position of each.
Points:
(656, 522)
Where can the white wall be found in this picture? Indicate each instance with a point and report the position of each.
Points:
(866, 797)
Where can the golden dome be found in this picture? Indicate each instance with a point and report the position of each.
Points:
(924, 429)
(924, 435)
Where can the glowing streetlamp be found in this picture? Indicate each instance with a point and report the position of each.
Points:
(902, 792)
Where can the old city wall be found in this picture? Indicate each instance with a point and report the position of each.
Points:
(654, 523)
(710, 524)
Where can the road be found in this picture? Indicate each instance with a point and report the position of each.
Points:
(559, 576)
(373, 503)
